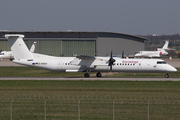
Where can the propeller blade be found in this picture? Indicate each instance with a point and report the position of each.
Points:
(123, 54)
(111, 61)
(111, 53)
(111, 68)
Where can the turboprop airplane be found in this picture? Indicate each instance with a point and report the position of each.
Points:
(157, 53)
(9, 54)
(87, 64)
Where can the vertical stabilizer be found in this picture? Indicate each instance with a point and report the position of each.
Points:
(18, 47)
(33, 47)
(166, 45)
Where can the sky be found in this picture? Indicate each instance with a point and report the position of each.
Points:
(136, 17)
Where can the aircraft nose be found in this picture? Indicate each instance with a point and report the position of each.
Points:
(137, 55)
(171, 69)
(175, 70)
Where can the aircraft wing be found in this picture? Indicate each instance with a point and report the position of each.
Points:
(86, 57)
(154, 55)
(89, 61)
(151, 55)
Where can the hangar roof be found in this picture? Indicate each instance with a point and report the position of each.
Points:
(71, 34)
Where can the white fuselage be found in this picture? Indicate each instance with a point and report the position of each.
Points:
(9, 54)
(6, 54)
(100, 64)
(151, 53)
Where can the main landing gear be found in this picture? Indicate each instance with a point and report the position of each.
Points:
(97, 75)
(167, 75)
(86, 74)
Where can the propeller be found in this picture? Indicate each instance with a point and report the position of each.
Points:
(111, 61)
(123, 54)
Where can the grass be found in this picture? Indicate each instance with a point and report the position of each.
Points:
(35, 72)
(64, 100)
(92, 88)
(94, 99)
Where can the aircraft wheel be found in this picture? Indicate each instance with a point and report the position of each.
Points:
(98, 74)
(167, 75)
(86, 75)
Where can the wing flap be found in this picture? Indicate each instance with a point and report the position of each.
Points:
(89, 61)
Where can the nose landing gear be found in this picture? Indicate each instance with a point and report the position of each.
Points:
(167, 75)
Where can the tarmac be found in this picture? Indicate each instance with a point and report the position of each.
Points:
(89, 79)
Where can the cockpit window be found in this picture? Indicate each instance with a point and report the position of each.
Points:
(164, 62)
(161, 62)
(1, 53)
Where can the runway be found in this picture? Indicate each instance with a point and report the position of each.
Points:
(89, 79)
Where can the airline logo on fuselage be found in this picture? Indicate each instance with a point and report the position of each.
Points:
(133, 62)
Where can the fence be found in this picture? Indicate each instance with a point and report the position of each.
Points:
(89, 107)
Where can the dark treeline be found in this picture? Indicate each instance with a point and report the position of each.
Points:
(154, 42)
(174, 40)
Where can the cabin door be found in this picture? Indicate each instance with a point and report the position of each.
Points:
(140, 66)
(59, 65)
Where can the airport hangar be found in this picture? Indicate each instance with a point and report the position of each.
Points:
(72, 43)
